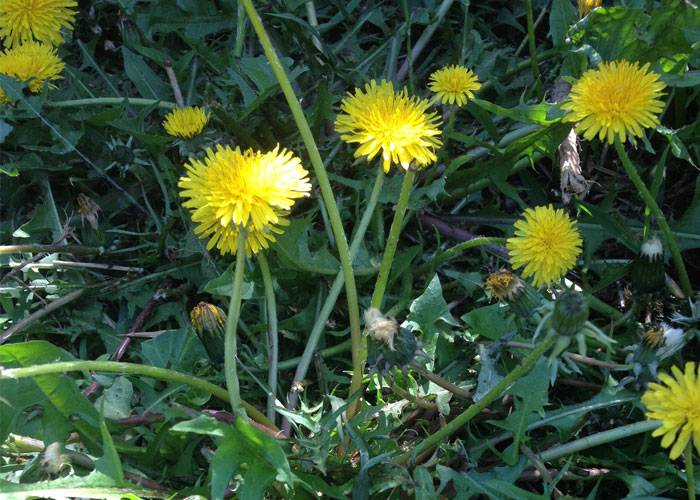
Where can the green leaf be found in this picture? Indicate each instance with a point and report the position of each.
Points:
(223, 285)
(60, 390)
(610, 33)
(109, 463)
(43, 221)
(144, 79)
(490, 321)
(423, 489)
(561, 15)
(115, 401)
(242, 443)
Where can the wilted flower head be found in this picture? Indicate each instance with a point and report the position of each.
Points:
(379, 119)
(26, 20)
(31, 61)
(616, 100)
(454, 84)
(546, 243)
(88, 210)
(586, 6)
(677, 405)
(388, 344)
(508, 287)
(210, 323)
(231, 190)
(187, 122)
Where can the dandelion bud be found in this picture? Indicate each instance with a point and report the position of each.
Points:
(570, 313)
(210, 323)
(647, 273)
(88, 210)
(508, 287)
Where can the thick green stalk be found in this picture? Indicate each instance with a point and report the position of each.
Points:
(610, 436)
(323, 182)
(272, 335)
(392, 240)
(134, 369)
(328, 305)
(234, 310)
(460, 421)
(460, 247)
(689, 474)
(533, 50)
(103, 101)
(659, 215)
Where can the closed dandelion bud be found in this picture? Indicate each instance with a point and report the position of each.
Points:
(388, 345)
(570, 313)
(508, 287)
(210, 323)
(51, 459)
(647, 273)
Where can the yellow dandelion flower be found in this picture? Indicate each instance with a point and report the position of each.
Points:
(186, 123)
(617, 99)
(546, 243)
(677, 405)
(454, 84)
(381, 120)
(25, 20)
(231, 190)
(31, 61)
(586, 6)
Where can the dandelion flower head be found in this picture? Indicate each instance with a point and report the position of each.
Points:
(378, 119)
(231, 190)
(31, 61)
(617, 99)
(187, 122)
(546, 243)
(454, 84)
(677, 405)
(42, 20)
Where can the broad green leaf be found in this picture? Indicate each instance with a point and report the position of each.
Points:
(116, 399)
(489, 321)
(144, 78)
(60, 390)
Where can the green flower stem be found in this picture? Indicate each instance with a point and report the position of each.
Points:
(234, 310)
(422, 403)
(240, 30)
(392, 240)
(441, 382)
(599, 306)
(439, 259)
(598, 439)
(72, 249)
(460, 421)
(102, 101)
(326, 191)
(533, 50)
(272, 334)
(134, 369)
(660, 219)
(689, 474)
(320, 324)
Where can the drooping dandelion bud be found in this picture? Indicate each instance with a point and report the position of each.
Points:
(508, 287)
(388, 344)
(210, 323)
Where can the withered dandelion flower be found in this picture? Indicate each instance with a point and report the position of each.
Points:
(379, 119)
(546, 243)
